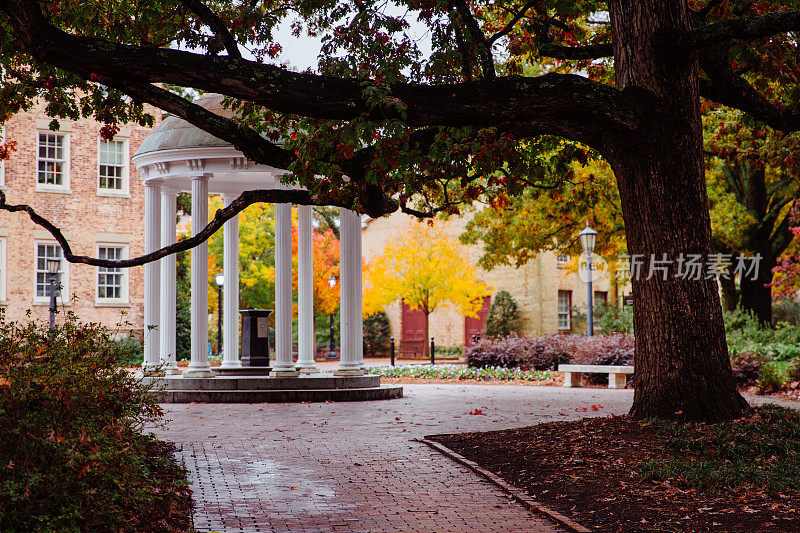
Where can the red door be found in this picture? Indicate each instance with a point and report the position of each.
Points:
(476, 325)
(412, 323)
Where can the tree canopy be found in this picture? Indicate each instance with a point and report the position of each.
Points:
(382, 124)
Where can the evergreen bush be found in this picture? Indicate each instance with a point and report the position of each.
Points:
(504, 318)
(377, 332)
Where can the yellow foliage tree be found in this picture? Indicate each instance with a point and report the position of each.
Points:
(426, 268)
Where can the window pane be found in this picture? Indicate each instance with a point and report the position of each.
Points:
(109, 279)
(112, 164)
(44, 252)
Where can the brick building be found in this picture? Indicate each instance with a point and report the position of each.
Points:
(87, 187)
(546, 290)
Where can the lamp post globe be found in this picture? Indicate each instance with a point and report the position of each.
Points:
(588, 238)
(332, 348)
(219, 279)
(53, 267)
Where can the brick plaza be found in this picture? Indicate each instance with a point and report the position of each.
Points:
(355, 466)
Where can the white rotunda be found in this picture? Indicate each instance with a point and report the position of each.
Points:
(179, 157)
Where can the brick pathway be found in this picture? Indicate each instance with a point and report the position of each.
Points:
(354, 467)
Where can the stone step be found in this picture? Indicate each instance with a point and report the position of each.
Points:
(249, 383)
(381, 392)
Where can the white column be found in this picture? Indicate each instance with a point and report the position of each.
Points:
(305, 291)
(199, 366)
(283, 366)
(350, 361)
(168, 284)
(230, 291)
(358, 294)
(152, 214)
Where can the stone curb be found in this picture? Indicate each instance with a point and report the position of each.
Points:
(518, 494)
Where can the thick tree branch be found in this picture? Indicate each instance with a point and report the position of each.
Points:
(745, 29)
(590, 51)
(244, 139)
(258, 149)
(725, 87)
(478, 37)
(222, 215)
(216, 25)
(565, 105)
(461, 46)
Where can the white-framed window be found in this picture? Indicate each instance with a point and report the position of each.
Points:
(113, 167)
(562, 260)
(112, 282)
(565, 310)
(3, 270)
(45, 251)
(52, 162)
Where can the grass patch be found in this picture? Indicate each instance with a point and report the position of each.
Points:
(456, 372)
(760, 453)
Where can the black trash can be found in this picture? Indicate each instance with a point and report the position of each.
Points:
(255, 337)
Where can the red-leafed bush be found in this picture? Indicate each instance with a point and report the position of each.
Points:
(546, 352)
(74, 455)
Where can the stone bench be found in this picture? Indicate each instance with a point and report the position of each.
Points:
(617, 375)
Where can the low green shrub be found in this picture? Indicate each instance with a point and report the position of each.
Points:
(774, 376)
(608, 318)
(455, 372)
(742, 330)
(787, 310)
(73, 454)
(131, 349)
(448, 352)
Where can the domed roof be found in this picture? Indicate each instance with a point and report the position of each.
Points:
(174, 132)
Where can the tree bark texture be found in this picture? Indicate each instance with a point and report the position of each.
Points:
(682, 366)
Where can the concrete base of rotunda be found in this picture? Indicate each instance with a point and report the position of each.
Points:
(321, 387)
(198, 372)
(350, 372)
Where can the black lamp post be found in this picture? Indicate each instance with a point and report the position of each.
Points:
(332, 351)
(220, 280)
(53, 266)
(588, 237)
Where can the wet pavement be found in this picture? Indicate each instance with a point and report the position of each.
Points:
(354, 466)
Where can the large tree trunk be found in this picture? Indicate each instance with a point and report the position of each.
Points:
(756, 297)
(682, 366)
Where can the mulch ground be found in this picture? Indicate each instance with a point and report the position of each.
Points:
(586, 470)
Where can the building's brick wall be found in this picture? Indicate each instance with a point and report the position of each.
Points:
(534, 285)
(80, 213)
